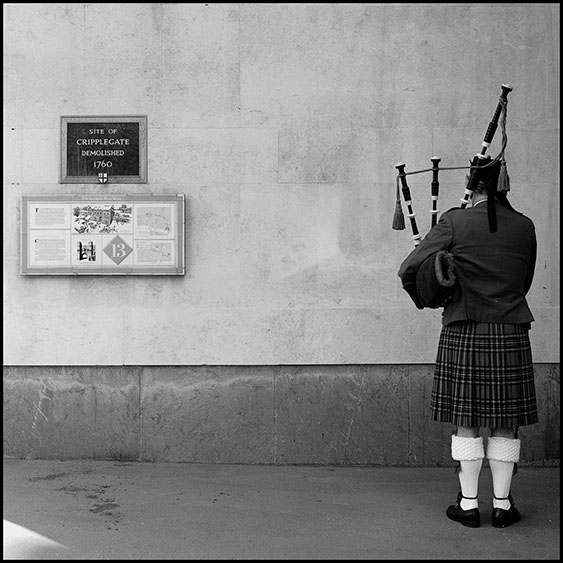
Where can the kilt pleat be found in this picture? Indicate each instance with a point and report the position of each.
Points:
(484, 376)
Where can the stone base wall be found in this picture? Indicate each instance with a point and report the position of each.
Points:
(318, 415)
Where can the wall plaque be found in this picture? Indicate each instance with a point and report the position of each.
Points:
(103, 234)
(103, 149)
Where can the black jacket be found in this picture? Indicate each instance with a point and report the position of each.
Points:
(494, 270)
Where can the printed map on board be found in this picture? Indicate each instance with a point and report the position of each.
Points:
(154, 221)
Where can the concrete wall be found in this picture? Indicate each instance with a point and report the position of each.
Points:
(282, 125)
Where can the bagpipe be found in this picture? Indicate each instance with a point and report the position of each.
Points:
(479, 163)
(436, 282)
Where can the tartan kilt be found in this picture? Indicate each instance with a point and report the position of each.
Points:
(484, 376)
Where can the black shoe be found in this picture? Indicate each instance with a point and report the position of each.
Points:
(502, 518)
(470, 518)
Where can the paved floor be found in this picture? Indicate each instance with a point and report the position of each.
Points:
(121, 510)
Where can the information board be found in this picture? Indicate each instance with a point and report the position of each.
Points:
(103, 234)
(103, 149)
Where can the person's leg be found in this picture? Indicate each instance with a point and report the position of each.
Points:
(467, 448)
(503, 451)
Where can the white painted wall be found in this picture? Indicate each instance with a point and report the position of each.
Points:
(282, 125)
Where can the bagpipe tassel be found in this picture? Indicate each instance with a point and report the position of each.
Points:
(398, 217)
(503, 185)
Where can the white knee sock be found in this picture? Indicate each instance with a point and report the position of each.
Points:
(502, 454)
(470, 453)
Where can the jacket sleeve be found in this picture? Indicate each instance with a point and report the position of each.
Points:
(438, 238)
(531, 264)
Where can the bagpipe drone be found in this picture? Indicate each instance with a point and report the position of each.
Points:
(436, 277)
(479, 163)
